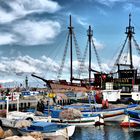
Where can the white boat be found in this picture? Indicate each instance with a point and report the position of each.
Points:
(49, 130)
(86, 120)
(135, 93)
(14, 116)
(17, 115)
(116, 114)
(114, 95)
(110, 94)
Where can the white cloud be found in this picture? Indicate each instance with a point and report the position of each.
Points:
(6, 81)
(28, 32)
(27, 65)
(28, 6)
(98, 44)
(82, 21)
(6, 38)
(115, 0)
(130, 7)
(20, 8)
(6, 17)
(106, 67)
(33, 32)
(136, 61)
(2, 67)
(102, 11)
(110, 3)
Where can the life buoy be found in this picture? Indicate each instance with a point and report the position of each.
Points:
(103, 103)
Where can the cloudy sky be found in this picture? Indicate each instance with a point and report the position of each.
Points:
(33, 34)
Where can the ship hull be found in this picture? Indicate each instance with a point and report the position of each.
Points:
(66, 87)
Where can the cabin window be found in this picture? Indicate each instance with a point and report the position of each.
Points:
(10, 106)
(5, 106)
(25, 105)
(14, 106)
(60, 102)
(64, 102)
(0, 106)
(21, 105)
(29, 104)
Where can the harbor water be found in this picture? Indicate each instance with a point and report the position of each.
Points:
(110, 131)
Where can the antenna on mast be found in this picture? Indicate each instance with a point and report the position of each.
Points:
(130, 32)
(71, 50)
(26, 83)
(89, 34)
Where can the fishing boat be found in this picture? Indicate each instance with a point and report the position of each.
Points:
(49, 130)
(110, 112)
(113, 113)
(130, 122)
(74, 116)
(117, 113)
(85, 120)
(132, 118)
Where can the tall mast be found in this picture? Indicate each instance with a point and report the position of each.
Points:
(130, 32)
(89, 34)
(26, 83)
(71, 50)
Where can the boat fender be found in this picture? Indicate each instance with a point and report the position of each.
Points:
(103, 104)
(106, 103)
(49, 118)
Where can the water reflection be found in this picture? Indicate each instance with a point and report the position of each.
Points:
(111, 131)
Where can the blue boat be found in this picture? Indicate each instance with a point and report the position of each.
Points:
(113, 113)
(74, 118)
(49, 130)
(133, 113)
(132, 118)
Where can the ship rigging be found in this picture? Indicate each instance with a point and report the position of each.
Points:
(84, 83)
(127, 75)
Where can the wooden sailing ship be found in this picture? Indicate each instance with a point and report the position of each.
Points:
(125, 78)
(83, 85)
